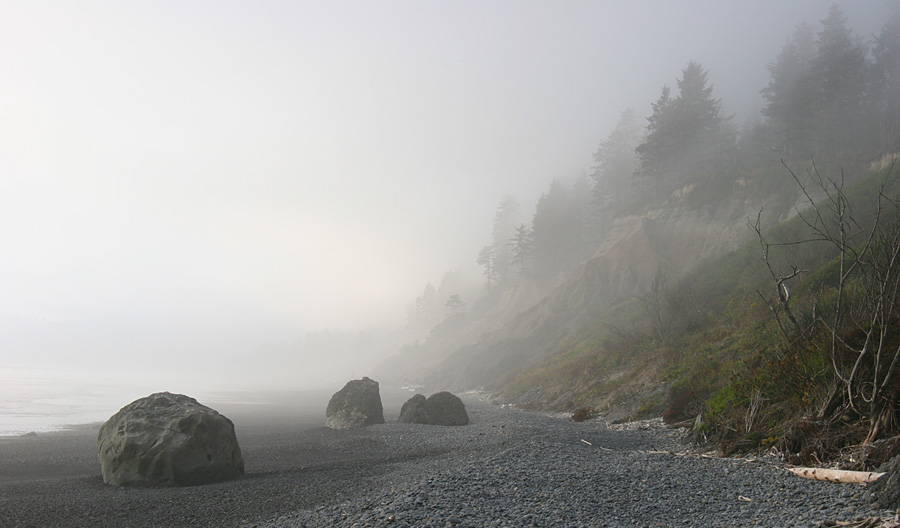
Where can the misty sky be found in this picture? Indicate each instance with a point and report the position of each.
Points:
(204, 177)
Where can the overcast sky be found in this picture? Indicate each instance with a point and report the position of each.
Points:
(188, 177)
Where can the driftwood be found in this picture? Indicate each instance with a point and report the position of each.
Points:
(836, 475)
(868, 522)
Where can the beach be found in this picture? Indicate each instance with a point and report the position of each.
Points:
(507, 468)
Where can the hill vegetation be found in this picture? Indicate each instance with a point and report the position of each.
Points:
(742, 282)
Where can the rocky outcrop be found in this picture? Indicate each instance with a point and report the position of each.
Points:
(358, 404)
(441, 408)
(169, 440)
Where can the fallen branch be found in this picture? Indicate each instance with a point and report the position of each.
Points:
(836, 475)
(868, 522)
(600, 447)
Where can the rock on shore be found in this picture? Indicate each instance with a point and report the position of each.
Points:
(442, 408)
(358, 404)
(505, 469)
(168, 439)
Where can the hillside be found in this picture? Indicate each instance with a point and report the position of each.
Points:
(665, 318)
(741, 280)
(514, 328)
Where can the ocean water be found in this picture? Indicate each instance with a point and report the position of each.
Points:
(41, 400)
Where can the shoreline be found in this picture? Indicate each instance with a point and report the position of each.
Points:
(243, 404)
(507, 466)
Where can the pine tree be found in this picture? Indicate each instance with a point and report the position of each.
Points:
(552, 227)
(699, 122)
(886, 82)
(790, 104)
(616, 162)
(840, 73)
(686, 136)
(657, 149)
(496, 258)
(522, 248)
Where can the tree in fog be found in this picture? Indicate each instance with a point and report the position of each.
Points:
(790, 104)
(686, 136)
(552, 225)
(522, 248)
(496, 258)
(886, 81)
(485, 260)
(616, 162)
(559, 228)
(456, 304)
(658, 147)
(423, 308)
(585, 236)
(840, 72)
(702, 132)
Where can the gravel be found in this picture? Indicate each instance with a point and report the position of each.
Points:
(506, 469)
(533, 470)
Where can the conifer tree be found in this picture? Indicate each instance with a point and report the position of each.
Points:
(790, 104)
(685, 136)
(886, 82)
(840, 71)
(522, 248)
(657, 149)
(616, 162)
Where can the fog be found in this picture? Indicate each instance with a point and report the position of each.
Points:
(185, 185)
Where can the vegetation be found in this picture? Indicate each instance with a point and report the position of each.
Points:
(789, 340)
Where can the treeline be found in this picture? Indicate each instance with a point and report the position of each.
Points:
(830, 96)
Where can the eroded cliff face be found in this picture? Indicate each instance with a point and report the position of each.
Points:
(522, 326)
(669, 241)
(422, 361)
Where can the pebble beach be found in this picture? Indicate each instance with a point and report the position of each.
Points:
(507, 468)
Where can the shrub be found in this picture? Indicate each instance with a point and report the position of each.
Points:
(583, 413)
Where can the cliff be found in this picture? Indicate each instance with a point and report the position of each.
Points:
(511, 330)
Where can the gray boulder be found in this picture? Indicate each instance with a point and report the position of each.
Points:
(170, 440)
(413, 411)
(441, 408)
(444, 408)
(358, 404)
(886, 490)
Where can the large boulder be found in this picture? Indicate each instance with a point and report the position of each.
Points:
(441, 408)
(358, 404)
(413, 411)
(886, 490)
(170, 440)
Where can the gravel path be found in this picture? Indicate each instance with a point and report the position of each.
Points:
(507, 468)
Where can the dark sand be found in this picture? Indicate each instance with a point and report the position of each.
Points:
(292, 461)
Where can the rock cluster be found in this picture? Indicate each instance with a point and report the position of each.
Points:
(358, 404)
(442, 408)
(170, 440)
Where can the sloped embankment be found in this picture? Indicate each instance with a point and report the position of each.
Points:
(667, 242)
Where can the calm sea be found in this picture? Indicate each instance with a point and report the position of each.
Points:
(42, 400)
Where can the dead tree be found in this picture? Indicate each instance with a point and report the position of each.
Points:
(862, 325)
